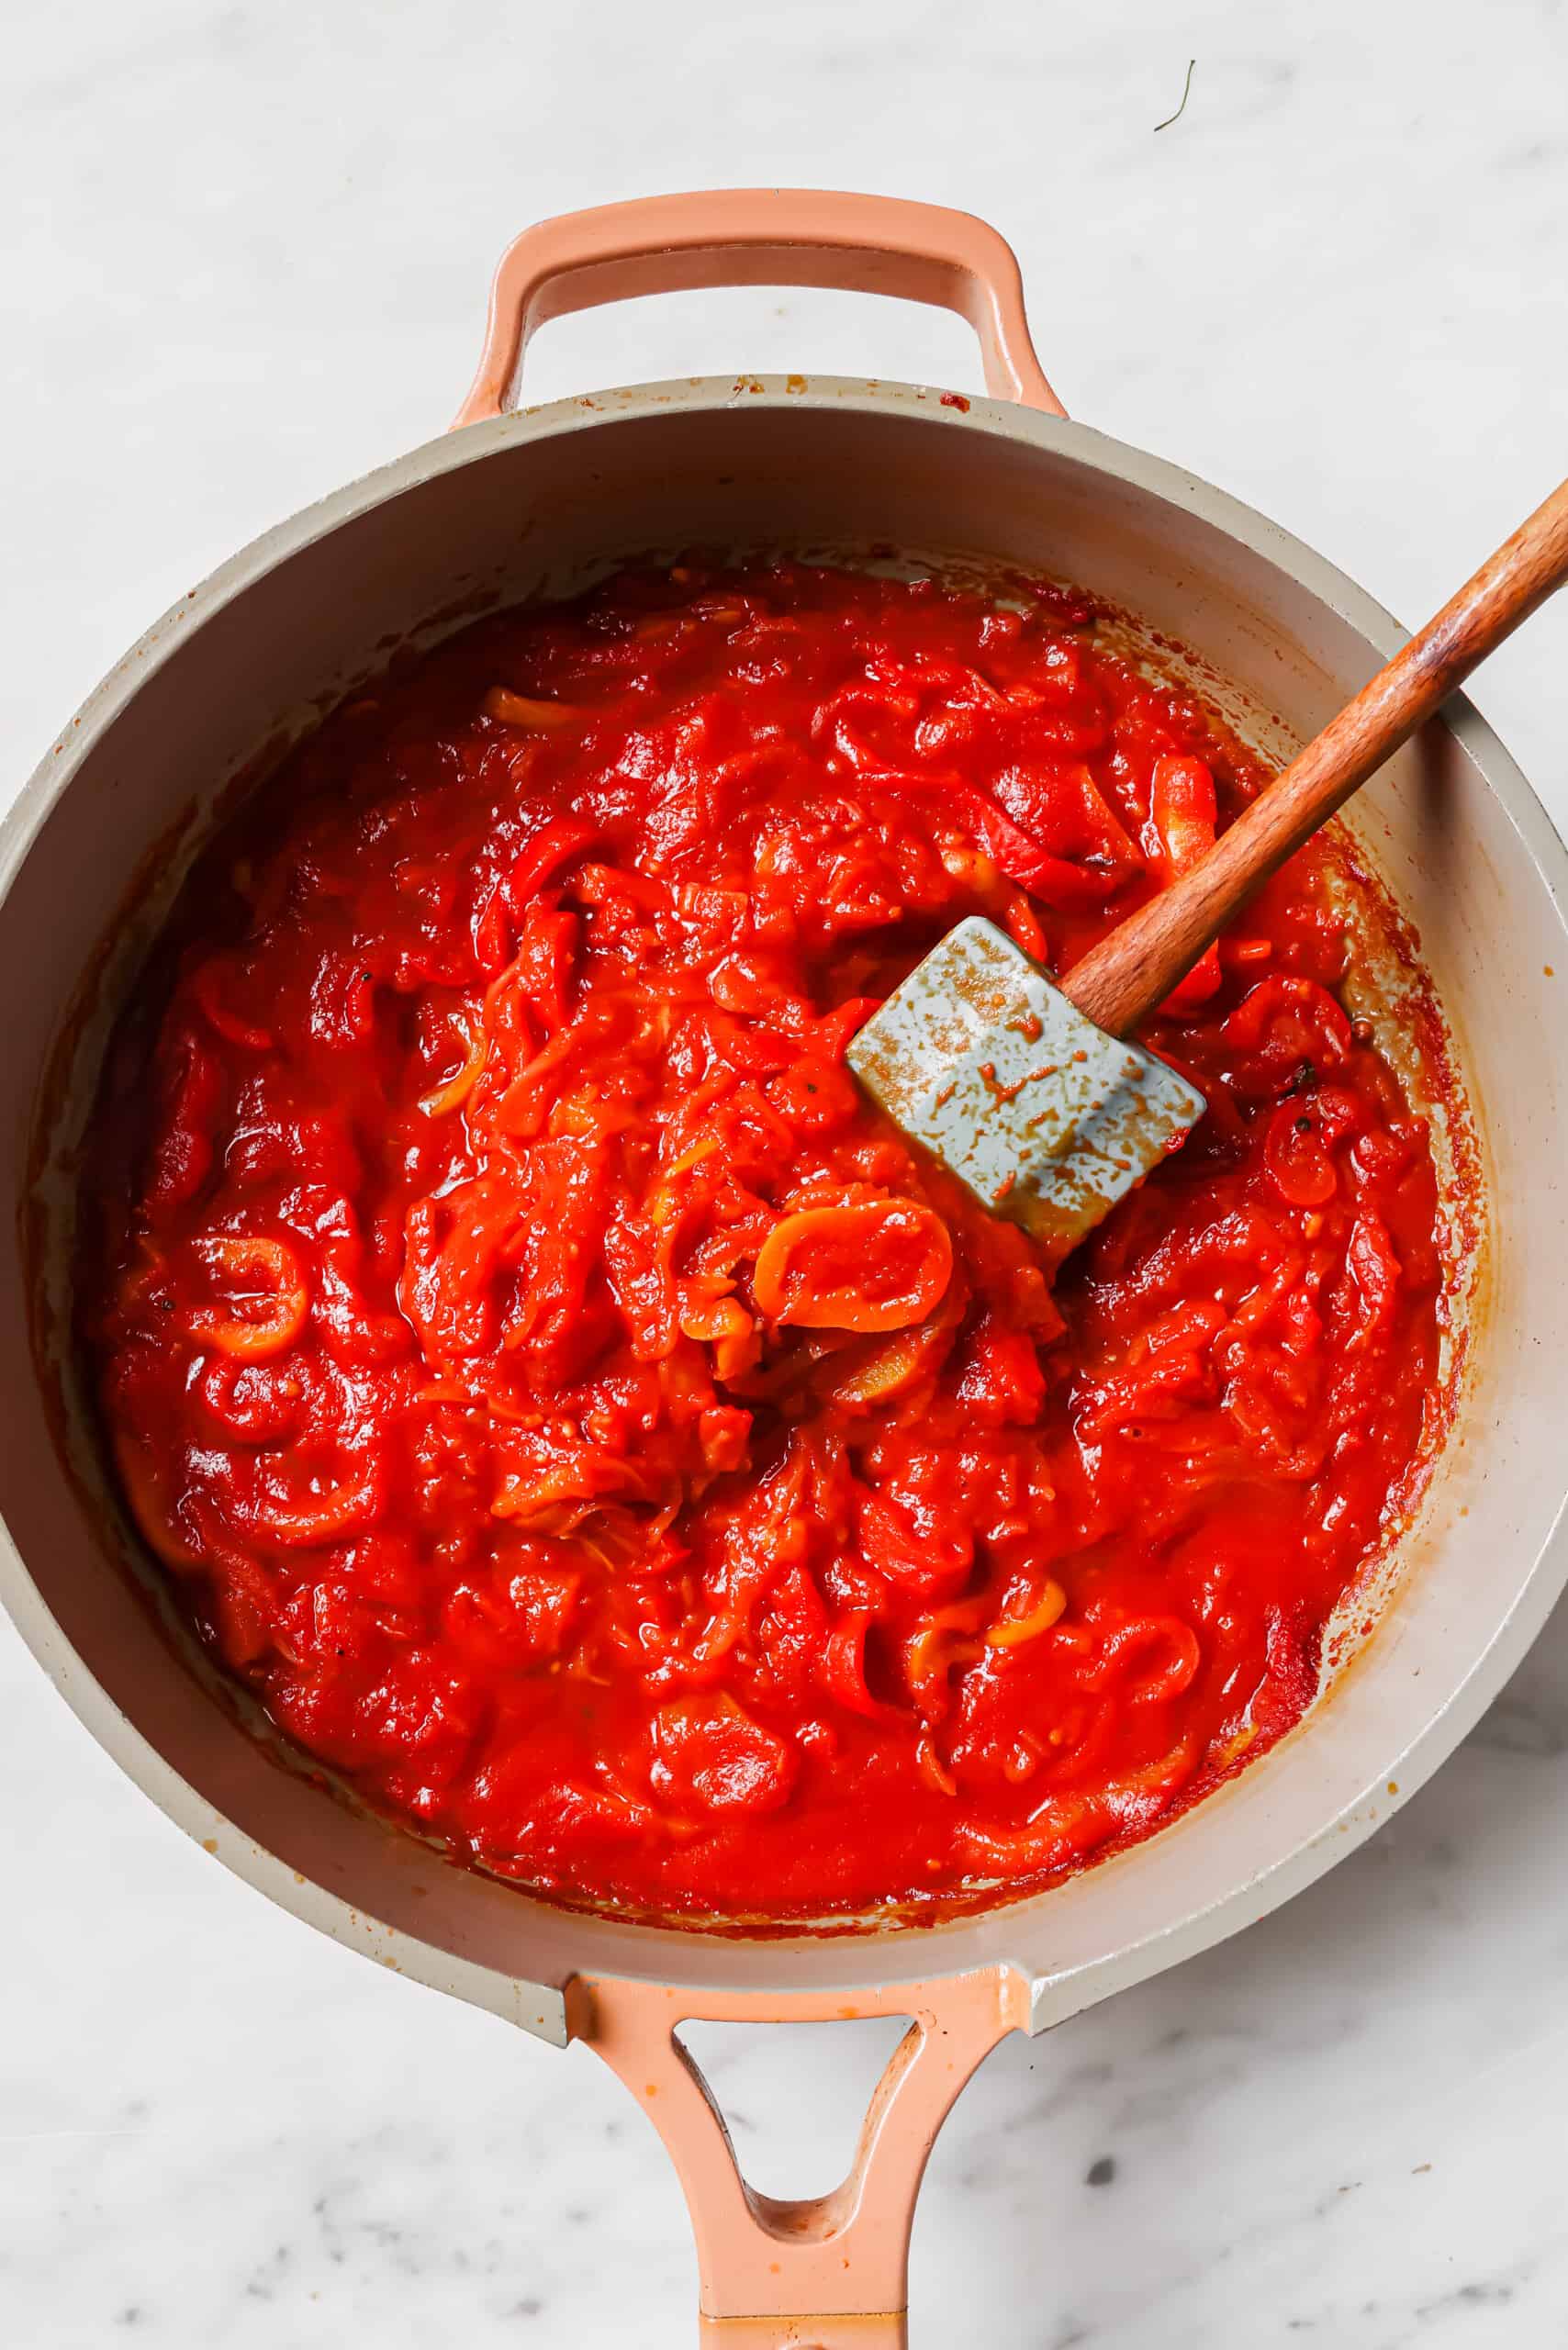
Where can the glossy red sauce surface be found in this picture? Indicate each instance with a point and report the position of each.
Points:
(583, 1421)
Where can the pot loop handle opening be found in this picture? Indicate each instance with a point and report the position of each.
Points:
(764, 236)
(830, 2272)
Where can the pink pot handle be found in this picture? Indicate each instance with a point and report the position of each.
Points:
(762, 236)
(830, 2272)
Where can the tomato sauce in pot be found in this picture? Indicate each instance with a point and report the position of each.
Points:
(585, 1423)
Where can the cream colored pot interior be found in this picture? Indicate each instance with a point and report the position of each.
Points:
(532, 504)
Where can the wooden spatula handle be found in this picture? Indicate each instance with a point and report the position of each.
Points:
(1136, 968)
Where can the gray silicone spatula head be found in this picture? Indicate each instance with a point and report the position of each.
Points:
(1038, 1108)
(1048, 1120)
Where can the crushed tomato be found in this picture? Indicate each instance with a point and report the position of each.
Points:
(584, 1422)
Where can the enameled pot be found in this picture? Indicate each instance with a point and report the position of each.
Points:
(528, 502)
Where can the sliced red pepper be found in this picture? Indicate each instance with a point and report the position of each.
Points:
(1297, 1155)
(1062, 884)
(1374, 1268)
(527, 710)
(490, 931)
(1183, 813)
(561, 842)
(1287, 1019)
(266, 1302)
(1058, 880)
(209, 987)
(872, 1265)
(843, 1671)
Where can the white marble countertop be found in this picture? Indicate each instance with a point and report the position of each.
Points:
(247, 255)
